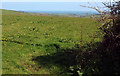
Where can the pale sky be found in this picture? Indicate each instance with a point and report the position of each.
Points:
(48, 6)
(54, 0)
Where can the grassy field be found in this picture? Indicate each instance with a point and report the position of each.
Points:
(31, 43)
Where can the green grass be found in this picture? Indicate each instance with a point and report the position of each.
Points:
(39, 36)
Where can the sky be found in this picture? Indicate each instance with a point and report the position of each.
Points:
(48, 6)
(54, 0)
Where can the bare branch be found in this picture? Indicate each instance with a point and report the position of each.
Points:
(101, 12)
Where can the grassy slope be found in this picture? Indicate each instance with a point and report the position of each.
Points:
(37, 34)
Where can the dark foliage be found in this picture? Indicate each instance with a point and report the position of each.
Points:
(108, 53)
